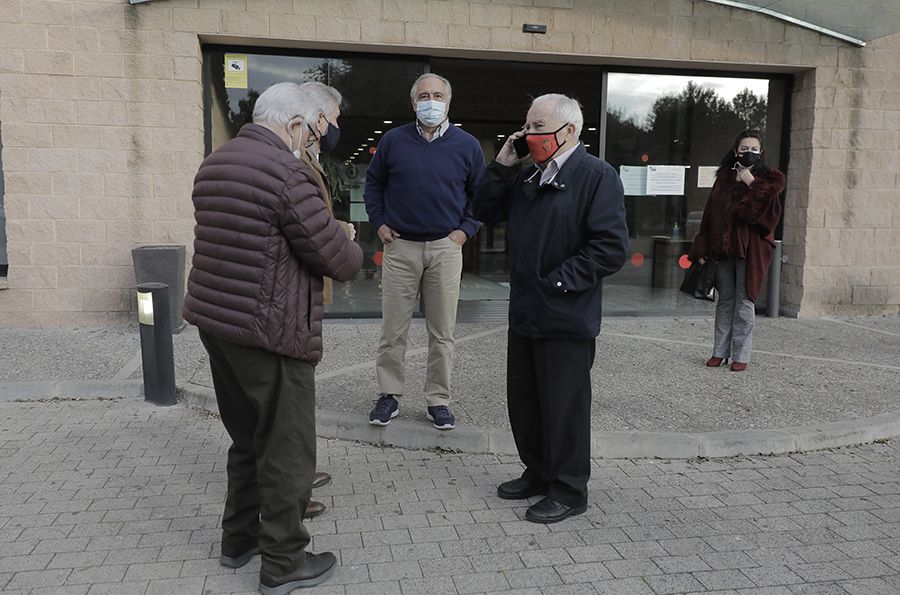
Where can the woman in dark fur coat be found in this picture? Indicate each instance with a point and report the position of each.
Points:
(737, 230)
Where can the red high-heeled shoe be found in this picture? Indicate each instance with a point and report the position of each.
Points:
(715, 362)
(738, 366)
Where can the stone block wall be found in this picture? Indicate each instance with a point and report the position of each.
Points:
(102, 124)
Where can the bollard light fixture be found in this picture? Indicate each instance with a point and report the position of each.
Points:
(145, 307)
(157, 353)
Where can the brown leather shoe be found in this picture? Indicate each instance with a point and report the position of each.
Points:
(738, 366)
(715, 362)
(314, 509)
(320, 478)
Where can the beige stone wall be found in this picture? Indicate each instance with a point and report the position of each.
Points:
(101, 117)
(844, 225)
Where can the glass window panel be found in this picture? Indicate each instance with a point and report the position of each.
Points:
(376, 98)
(672, 120)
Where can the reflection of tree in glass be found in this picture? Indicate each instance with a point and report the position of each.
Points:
(694, 125)
(244, 113)
(751, 109)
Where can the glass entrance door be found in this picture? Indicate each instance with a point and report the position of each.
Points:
(666, 134)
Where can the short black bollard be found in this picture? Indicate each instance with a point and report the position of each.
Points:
(157, 355)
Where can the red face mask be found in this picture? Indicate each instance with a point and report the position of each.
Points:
(543, 145)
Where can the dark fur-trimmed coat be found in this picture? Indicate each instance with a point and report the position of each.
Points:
(740, 220)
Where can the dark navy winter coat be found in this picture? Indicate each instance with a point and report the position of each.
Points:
(563, 239)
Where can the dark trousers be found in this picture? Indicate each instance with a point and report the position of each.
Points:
(267, 403)
(549, 399)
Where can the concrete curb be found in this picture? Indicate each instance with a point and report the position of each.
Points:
(70, 389)
(605, 445)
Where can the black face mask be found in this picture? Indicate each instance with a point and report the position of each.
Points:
(748, 159)
(329, 141)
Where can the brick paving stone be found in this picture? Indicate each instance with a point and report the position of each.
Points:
(673, 583)
(723, 579)
(818, 588)
(680, 564)
(624, 586)
(629, 568)
(771, 576)
(864, 567)
(532, 577)
(496, 562)
(589, 572)
(481, 582)
(432, 586)
(595, 553)
(31, 579)
(131, 504)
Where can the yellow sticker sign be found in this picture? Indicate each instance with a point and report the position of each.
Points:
(235, 71)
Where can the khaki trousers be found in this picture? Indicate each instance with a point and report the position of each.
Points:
(434, 268)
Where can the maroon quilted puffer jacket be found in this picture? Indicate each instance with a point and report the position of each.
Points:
(263, 242)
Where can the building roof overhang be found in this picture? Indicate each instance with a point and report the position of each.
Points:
(853, 21)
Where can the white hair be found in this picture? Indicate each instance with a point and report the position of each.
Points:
(413, 90)
(565, 108)
(282, 102)
(327, 98)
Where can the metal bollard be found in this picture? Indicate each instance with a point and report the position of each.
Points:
(157, 354)
(773, 294)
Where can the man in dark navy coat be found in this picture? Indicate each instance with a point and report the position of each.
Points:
(566, 229)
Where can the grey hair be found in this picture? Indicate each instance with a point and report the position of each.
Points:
(566, 109)
(282, 102)
(327, 98)
(412, 91)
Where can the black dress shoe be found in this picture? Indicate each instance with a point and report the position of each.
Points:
(320, 478)
(548, 510)
(312, 570)
(313, 509)
(519, 489)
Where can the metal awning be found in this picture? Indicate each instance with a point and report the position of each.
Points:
(854, 21)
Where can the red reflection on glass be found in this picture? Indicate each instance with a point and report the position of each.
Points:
(645, 158)
(684, 262)
(378, 258)
(371, 150)
(637, 259)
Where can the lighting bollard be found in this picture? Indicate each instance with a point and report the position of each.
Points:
(157, 356)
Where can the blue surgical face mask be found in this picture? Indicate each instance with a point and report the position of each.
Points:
(431, 112)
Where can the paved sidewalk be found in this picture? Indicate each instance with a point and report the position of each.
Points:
(120, 497)
(812, 384)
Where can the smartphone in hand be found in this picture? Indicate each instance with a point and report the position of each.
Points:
(521, 147)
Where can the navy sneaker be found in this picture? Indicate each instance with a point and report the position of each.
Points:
(386, 408)
(441, 417)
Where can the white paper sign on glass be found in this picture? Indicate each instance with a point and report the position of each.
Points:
(706, 176)
(665, 179)
(634, 179)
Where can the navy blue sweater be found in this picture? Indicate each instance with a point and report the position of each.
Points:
(422, 189)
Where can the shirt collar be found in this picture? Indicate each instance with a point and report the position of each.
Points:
(445, 125)
(556, 164)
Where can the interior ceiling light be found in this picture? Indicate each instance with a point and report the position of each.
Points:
(388, 121)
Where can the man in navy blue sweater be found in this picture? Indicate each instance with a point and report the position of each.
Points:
(419, 190)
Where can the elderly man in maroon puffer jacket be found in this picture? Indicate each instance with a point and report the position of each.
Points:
(264, 241)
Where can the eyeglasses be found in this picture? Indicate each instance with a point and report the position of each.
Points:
(746, 149)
